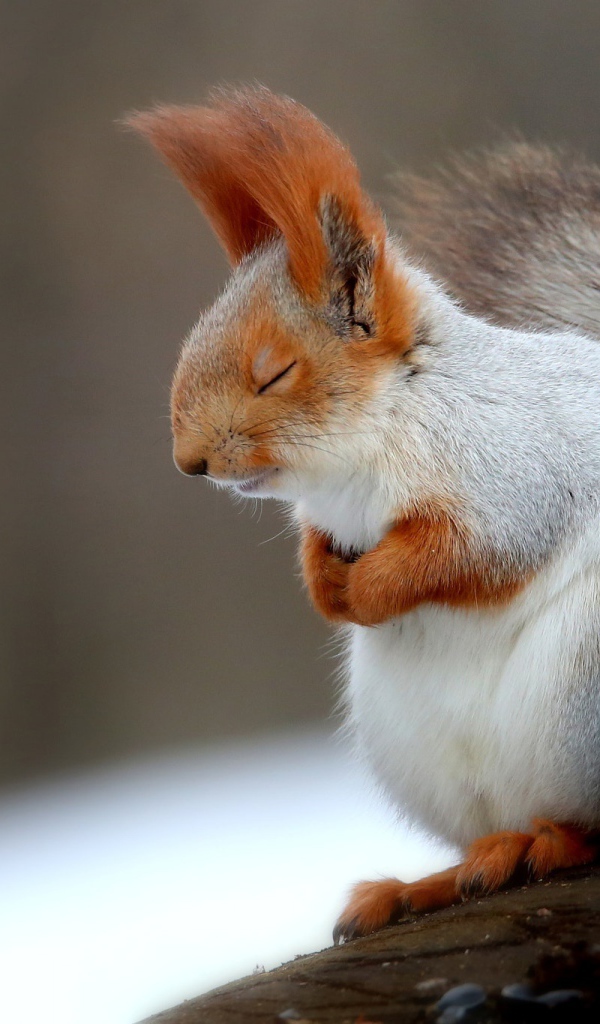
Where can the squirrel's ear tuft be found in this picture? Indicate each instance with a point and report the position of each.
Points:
(194, 142)
(260, 166)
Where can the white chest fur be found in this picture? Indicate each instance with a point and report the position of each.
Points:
(355, 514)
(477, 721)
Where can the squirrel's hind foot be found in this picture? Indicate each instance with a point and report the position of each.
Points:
(491, 862)
(373, 905)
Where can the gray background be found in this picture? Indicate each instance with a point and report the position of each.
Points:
(139, 610)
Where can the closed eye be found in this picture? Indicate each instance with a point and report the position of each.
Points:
(277, 377)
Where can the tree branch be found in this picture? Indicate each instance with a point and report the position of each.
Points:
(544, 932)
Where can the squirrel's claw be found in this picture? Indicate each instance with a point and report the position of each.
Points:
(344, 931)
(372, 905)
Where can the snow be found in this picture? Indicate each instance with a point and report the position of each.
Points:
(130, 889)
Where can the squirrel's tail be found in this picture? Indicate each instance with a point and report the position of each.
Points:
(513, 233)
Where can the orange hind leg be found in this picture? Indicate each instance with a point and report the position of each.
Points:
(490, 863)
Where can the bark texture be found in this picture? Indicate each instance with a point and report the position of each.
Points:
(545, 933)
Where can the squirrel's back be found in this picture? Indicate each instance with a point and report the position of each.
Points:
(513, 232)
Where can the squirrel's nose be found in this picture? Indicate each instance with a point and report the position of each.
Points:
(191, 466)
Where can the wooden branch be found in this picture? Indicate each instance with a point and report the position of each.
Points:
(545, 932)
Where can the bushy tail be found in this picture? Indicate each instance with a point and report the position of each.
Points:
(513, 232)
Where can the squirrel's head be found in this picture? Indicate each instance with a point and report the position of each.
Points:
(281, 373)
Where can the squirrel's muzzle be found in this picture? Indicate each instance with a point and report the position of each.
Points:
(190, 465)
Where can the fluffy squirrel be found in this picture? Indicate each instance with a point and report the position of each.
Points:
(439, 444)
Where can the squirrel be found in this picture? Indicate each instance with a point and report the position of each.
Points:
(429, 407)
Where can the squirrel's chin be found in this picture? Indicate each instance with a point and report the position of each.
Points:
(261, 485)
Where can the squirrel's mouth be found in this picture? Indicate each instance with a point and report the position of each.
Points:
(254, 483)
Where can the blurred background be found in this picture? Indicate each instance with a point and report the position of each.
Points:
(142, 616)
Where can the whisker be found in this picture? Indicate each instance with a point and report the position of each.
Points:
(253, 432)
(316, 447)
(273, 419)
(240, 399)
(272, 431)
(288, 529)
(335, 433)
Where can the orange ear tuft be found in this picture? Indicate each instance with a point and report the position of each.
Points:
(194, 142)
(259, 165)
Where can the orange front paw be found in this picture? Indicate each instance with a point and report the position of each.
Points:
(366, 591)
(325, 574)
(372, 596)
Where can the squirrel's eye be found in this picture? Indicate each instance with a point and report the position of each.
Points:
(277, 377)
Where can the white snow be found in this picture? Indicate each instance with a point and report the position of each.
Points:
(127, 890)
